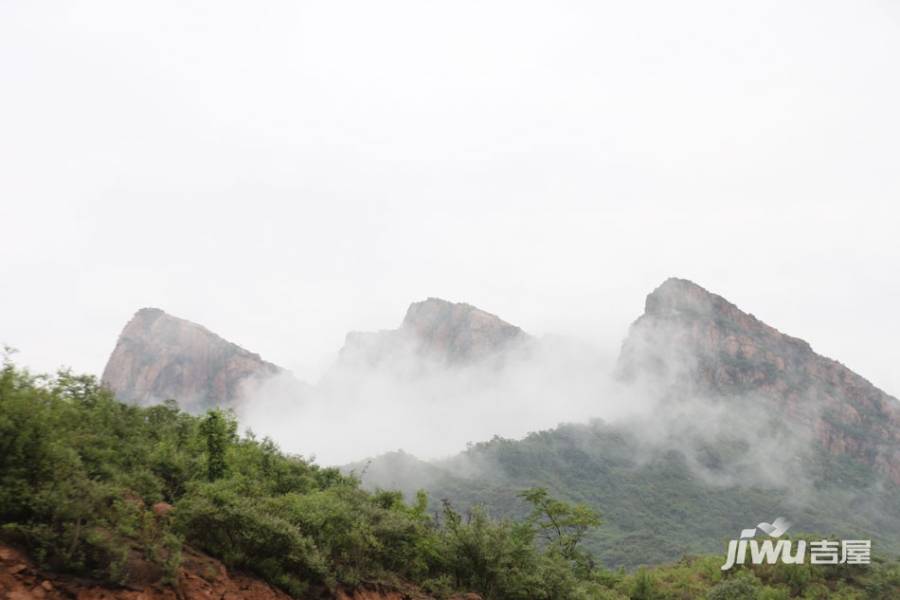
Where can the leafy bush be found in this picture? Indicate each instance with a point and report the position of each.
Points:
(740, 587)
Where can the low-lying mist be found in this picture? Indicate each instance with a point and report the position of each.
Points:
(433, 408)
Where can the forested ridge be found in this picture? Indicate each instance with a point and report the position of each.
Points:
(657, 504)
(91, 486)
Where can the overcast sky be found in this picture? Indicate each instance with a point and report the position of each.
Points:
(283, 172)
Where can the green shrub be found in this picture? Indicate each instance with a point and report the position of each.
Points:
(742, 586)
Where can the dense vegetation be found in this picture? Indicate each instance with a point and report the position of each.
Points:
(657, 507)
(80, 475)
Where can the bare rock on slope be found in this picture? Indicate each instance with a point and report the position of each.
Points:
(435, 329)
(160, 357)
(200, 576)
(694, 342)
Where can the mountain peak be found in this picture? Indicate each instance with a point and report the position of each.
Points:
(682, 300)
(453, 332)
(159, 357)
(696, 343)
(458, 331)
(419, 313)
(679, 295)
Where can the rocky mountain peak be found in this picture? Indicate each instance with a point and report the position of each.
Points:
(682, 300)
(696, 343)
(459, 330)
(159, 357)
(678, 296)
(436, 329)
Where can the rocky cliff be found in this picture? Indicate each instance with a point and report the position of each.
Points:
(160, 357)
(693, 342)
(452, 333)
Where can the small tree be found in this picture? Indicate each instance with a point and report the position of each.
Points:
(219, 429)
(744, 586)
(644, 586)
(562, 524)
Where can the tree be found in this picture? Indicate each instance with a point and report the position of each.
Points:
(219, 429)
(562, 524)
(644, 587)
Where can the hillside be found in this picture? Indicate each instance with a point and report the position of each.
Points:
(657, 505)
(746, 423)
(132, 497)
(739, 422)
(105, 501)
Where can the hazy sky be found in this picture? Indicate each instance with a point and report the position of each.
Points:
(283, 172)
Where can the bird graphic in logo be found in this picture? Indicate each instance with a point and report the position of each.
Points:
(775, 529)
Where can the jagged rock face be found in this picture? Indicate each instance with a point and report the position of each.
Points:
(160, 357)
(695, 342)
(448, 332)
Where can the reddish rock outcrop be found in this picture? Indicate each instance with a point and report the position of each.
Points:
(162, 510)
(160, 357)
(200, 577)
(697, 343)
